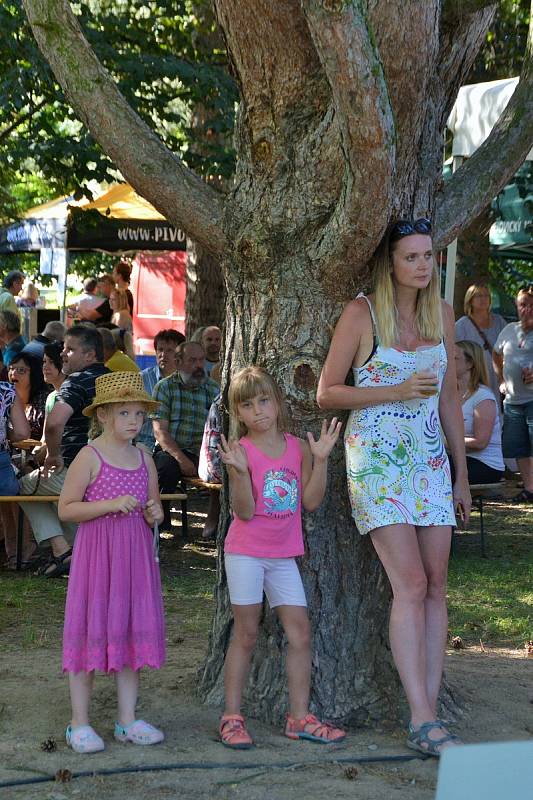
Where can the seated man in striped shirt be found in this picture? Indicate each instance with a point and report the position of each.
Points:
(65, 433)
(165, 343)
(185, 399)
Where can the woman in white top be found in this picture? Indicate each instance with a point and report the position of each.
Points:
(482, 326)
(483, 433)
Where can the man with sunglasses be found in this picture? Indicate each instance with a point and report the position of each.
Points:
(513, 362)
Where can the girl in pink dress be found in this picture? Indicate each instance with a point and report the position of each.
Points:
(272, 474)
(114, 611)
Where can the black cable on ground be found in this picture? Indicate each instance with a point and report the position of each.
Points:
(214, 765)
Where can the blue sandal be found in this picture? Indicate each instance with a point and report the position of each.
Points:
(419, 739)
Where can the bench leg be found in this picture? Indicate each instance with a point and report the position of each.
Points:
(482, 529)
(20, 536)
(184, 522)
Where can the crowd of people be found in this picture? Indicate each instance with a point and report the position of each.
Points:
(109, 439)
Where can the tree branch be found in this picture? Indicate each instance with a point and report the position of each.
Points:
(487, 171)
(458, 49)
(142, 158)
(408, 53)
(364, 115)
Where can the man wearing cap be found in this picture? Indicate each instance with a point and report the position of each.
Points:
(185, 398)
(65, 433)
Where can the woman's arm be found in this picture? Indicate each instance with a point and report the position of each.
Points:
(72, 507)
(484, 417)
(354, 329)
(451, 417)
(20, 426)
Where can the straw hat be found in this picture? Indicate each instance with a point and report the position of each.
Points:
(120, 387)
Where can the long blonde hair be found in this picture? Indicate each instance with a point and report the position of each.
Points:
(479, 373)
(248, 383)
(122, 299)
(428, 313)
(470, 294)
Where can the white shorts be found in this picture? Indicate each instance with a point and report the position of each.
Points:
(279, 578)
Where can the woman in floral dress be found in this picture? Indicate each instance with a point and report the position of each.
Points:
(398, 472)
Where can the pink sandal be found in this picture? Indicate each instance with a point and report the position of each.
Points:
(311, 728)
(233, 732)
(138, 732)
(84, 739)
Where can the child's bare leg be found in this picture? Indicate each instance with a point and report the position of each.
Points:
(81, 687)
(127, 693)
(298, 631)
(245, 626)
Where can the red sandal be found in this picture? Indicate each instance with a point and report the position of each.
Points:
(233, 732)
(311, 728)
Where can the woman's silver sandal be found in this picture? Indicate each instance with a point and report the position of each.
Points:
(419, 739)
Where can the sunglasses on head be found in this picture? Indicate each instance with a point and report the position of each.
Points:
(407, 227)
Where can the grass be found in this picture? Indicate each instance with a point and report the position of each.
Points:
(492, 598)
(489, 599)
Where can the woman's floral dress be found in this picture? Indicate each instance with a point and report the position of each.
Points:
(397, 467)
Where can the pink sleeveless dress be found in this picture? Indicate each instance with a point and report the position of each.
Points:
(114, 609)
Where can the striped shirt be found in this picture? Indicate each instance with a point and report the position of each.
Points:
(185, 408)
(77, 391)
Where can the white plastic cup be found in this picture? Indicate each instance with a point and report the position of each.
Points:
(427, 359)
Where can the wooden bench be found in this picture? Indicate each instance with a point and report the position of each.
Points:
(53, 498)
(481, 492)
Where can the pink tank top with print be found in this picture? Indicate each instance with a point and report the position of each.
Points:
(275, 530)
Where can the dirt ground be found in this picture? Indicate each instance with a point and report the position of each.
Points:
(495, 687)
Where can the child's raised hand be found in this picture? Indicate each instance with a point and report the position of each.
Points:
(123, 504)
(328, 436)
(233, 455)
(153, 513)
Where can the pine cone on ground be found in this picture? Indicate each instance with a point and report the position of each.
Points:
(49, 746)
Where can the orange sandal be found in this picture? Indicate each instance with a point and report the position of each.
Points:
(311, 728)
(233, 732)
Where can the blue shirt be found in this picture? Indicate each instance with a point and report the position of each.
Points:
(150, 376)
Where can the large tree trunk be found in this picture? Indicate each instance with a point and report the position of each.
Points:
(473, 251)
(340, 129)
(205, 299)
(285, 293)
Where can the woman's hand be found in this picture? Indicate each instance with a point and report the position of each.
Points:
(462, 501)
(420, 385)
(321, 449)
(123, 504)
(152, 512)
(233, 455)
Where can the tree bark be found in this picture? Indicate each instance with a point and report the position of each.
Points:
(205, 298)
(473, 250)
(319, 84)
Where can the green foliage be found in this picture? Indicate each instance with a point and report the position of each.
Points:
(167, 60)
(491, 598)
(505, 45)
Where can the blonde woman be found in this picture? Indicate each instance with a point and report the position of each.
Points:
(483, 430)
(398, 472)
(482, 326)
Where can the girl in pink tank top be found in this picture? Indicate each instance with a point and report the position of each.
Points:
(271, 474)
